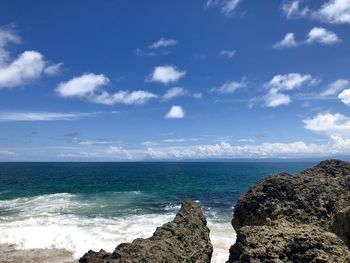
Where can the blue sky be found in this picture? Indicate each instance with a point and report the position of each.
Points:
(161, 80)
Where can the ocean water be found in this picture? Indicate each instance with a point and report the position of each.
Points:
(82, 206)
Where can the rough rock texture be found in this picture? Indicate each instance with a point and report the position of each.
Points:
(302, 218)
(185, 239)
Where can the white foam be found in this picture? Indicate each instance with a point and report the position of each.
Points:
(48, 221)
(222, 236)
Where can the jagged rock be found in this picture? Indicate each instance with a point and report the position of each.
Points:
(302, 218)
(185, 239)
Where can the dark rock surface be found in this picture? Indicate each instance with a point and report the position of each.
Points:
(185, 239)
(301, 218)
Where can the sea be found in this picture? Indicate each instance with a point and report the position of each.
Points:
(76, 207)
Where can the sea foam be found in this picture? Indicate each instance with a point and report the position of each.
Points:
(56, 221)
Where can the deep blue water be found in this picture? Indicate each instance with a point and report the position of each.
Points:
(215, 185)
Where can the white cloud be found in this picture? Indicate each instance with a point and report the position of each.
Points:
(344, 96)
(274, 99)
(89, 86)
(335, 87)
(159, 47)
(287, 42)
(27, 67)
(229, 6)
(137, 97)
(336, 126)
(316, 35)
(334, 12)
(118, 152)
(292, 9)
(283, 83)
(176, 112)
(40, 116)
(228, 53)
(174, 92)
(82, 86)
(328, 123)
(229, 87)
(163, 42)
(289, 81)
(226, 150)
(322, 36)
(166, 74)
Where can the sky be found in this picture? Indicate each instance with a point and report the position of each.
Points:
(174, 80)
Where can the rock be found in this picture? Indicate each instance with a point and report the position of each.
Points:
(301, 218)
(185, 239)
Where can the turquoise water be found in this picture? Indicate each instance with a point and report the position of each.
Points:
(79, 206)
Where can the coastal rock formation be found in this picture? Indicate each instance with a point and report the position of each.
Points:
(301, 218)
(185, 239)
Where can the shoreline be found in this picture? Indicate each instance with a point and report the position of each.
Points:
(10, 254)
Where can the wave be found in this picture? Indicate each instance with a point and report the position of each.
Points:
(64, 221)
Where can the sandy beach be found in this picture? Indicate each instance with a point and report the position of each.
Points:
(9, 254)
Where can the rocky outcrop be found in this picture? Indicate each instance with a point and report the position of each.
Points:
(185, 239)
(301, 218)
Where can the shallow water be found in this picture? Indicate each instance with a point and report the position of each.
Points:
(74, 207)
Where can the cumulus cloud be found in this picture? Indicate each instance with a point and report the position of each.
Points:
(89, 87)
(287, 42)
(228, 53)
(335, 87)
(27, 67)
(344, 96)
(332, 11)
(322, 36)
(284, 83)
(330, 124)
(82, 86)
(316, 35)
(163, 42)
(166, 74)
(175, 112)
(40, 116)
(229, 87)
